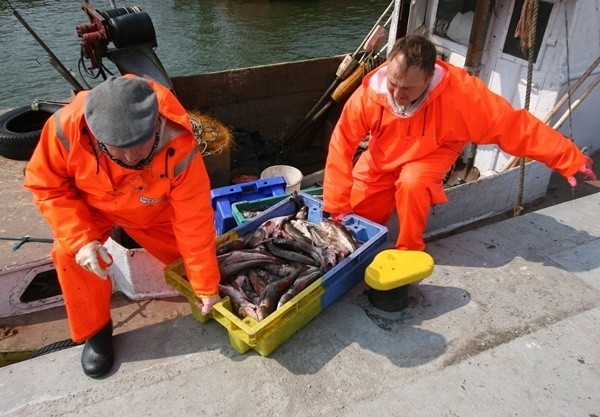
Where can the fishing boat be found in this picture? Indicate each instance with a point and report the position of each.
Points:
(294, 107)
(279, 100)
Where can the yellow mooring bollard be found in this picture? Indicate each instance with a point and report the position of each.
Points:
(390, 273)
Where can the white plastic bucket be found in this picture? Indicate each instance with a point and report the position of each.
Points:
(293, 176)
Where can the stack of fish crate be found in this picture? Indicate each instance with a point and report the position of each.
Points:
(268, 334)
(222, 198)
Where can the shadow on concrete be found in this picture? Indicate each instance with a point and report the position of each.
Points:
(168, 339)
(352, 321)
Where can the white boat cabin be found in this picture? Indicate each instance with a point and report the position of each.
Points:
(567, 44)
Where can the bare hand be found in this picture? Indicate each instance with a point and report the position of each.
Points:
(586, 172)
(206, 303)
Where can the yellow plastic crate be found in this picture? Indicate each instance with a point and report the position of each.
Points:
(267, 335)
(264, 336)
(173, 276)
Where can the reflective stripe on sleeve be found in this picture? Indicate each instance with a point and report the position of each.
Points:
(182, 166)
(60, 133)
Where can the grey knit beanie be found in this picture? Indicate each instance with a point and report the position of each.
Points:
(122, 111)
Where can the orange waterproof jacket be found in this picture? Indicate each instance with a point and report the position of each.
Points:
(73, 183)
(458, 110)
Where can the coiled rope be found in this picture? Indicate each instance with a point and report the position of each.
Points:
(212, 136)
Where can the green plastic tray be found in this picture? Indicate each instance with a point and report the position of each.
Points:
(238, 209)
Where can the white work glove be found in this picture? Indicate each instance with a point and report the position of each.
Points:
(95, 258)
(205, 304)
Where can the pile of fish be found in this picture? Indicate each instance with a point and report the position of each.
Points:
(263, 270)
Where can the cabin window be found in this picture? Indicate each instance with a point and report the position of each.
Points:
(453, 20)
(511, 44)
(417, 16)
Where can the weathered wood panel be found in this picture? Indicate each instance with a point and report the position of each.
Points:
(271, 99)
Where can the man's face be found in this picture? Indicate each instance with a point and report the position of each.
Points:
(134, 155)
(405, 85)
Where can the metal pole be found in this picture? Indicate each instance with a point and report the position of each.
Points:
(54, 61)
(481, 23)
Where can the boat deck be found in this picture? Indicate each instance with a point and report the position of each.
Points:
(507, 324)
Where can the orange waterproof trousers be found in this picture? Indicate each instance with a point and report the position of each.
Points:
(411, 190)
(87, 296)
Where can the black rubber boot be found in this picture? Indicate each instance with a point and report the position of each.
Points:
(98, 356)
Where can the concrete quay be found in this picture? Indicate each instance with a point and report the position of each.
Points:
(507, 325)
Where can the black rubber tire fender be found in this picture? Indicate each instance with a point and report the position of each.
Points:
(20, 130)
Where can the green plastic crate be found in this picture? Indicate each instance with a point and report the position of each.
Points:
(238, 209)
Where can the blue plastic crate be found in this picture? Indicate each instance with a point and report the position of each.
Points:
(222, 198)
(349, 272)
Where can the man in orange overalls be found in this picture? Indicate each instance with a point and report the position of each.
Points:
(419, 113)
(122, 154)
